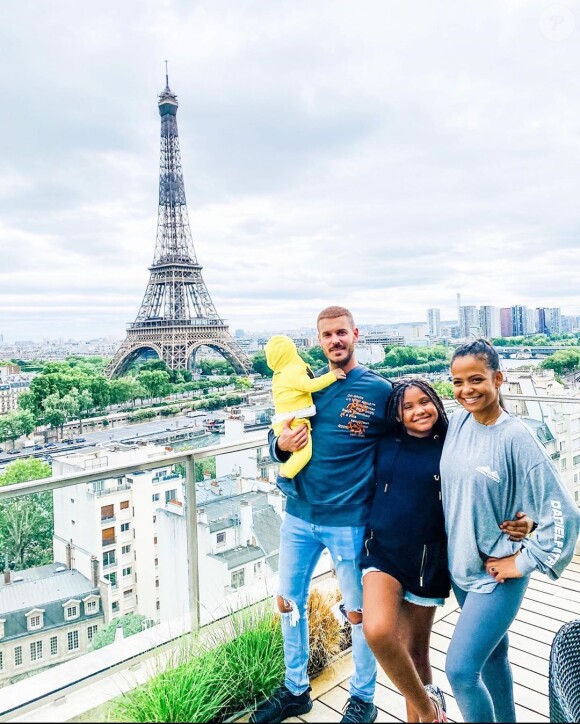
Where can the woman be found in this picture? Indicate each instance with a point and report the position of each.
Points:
(493, 466)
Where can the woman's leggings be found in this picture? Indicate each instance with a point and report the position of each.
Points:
(477, 662)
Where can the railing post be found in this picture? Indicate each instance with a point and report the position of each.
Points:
(192, 549)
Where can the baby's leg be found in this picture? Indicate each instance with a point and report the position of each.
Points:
(299, 458)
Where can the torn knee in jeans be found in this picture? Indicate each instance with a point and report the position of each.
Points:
(288, 609)
(354, 618)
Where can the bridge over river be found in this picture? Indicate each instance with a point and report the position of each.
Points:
(529, 352)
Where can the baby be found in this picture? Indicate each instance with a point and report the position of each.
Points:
(292, 385)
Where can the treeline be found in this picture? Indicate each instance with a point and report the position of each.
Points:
(537, 340)
(77, 389)
(563, 361)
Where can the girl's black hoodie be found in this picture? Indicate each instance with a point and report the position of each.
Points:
(406, 526)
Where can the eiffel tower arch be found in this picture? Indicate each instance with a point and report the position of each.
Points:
(177, 315)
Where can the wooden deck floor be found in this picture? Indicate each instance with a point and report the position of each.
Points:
(547, 605)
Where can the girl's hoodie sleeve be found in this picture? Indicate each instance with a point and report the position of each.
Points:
(547, 500)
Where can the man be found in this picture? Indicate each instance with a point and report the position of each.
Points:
(326, 507)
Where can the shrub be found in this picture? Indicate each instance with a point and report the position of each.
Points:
(327, 635)
(231, 666)
(214, 675)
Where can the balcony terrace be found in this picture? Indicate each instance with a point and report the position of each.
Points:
(80, 689)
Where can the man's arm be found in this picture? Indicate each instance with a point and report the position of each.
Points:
(287, 442)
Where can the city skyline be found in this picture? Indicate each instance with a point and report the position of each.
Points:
(383, 157)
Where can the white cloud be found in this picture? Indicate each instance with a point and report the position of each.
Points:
(380, 155)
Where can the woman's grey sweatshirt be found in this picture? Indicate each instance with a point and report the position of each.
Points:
(488, 474)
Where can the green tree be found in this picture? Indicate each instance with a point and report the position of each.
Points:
(54, 412)
(562, 361)
(131, 624)
(100, 389)
(260, 365)
(156, 382)
(15, 424)
(443, 389)
(26, 523)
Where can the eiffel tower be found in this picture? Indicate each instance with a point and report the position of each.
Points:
(177, 315)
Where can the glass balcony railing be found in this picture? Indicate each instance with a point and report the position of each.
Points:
(183, 554)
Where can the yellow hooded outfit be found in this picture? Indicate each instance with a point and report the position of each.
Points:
(291, 389)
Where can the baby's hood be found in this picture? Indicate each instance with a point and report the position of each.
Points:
(281, 351)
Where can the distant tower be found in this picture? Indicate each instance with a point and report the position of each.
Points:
(177, 314)
(434, 322)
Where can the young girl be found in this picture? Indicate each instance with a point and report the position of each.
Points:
(492, 466)
(404, 564)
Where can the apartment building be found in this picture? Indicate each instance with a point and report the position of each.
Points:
(238, 537)
(562, 419)
(48, 614)
(114, 520)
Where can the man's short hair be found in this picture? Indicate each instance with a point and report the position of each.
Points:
(333, 312)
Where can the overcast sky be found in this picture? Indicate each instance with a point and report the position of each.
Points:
(381, 154)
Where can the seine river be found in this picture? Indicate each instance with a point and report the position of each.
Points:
(512, 364)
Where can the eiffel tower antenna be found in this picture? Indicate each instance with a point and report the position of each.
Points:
(177, 315)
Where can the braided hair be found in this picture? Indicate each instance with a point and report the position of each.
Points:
(484, 350)
(393, 411)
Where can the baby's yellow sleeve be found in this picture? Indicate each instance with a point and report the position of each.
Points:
(313, 384)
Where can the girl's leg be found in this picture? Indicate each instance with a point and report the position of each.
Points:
(382, 602)
(478, 651)
(415, 624)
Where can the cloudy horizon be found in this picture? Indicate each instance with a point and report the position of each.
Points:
(383, 156)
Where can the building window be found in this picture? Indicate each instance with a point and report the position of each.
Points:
(109, 558)
(128, 592)
(258, 568)
(124, 504)
(124, 527)
(1, 661)
(107, 512)
(127, 571)
(576, 460)
(91, 631)
(72, 640)
(53, 645)
(36, 650)
(108, 536)
(18, 656)
(563, 464)
(155, 497)
(72, 611)
(34, 622)
(112, 577)
(170, 495)
(221, 539)
(126, 549)
(90, 607)
(155, 540)
(115, 606)
(238, 578)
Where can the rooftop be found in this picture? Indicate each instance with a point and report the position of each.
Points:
(546, 607)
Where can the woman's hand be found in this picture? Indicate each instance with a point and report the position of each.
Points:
(519, 527)
(503, 568)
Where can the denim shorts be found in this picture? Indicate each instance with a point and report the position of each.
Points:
(407, 595)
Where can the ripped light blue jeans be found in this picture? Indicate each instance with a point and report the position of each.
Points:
(301, 545)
